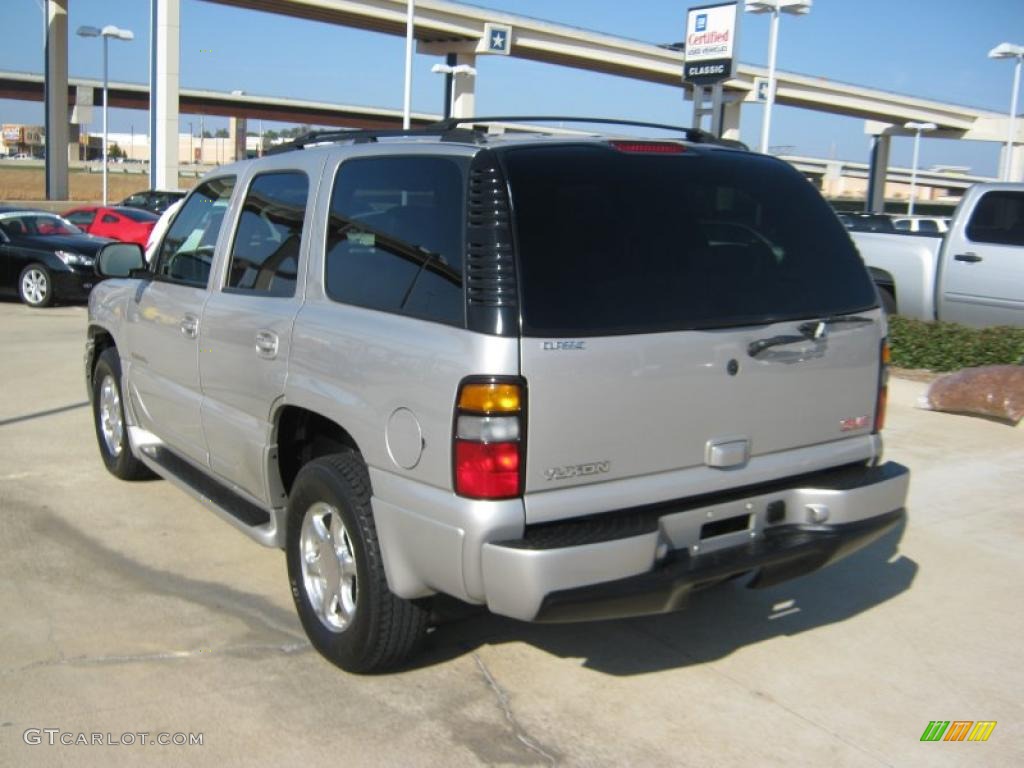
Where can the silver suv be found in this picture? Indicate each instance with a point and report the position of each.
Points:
(565, 377)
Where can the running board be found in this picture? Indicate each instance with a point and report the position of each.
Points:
(265, 527)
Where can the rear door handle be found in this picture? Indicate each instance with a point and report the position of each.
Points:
(190, 326)
(266, 344)
(970, 258)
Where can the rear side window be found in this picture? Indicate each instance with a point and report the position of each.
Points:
(998, 218)
(395, 236)
(612, 242)
(81, 218)
(186, 253)
(265, 252)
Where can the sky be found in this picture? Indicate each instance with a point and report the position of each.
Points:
(933, 49)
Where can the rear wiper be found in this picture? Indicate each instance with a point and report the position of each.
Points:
(815, 329)
(812, 330)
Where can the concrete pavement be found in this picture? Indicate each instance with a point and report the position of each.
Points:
(129, 609)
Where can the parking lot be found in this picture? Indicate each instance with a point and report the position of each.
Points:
(128, 609)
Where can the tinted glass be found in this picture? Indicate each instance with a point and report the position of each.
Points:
(612, 242)
(109, 218)
(927, 225)
(44, 224)
(394, 239)
(186, 253)
(81, 218)
(137, 214)
(265, 253)
(902, 224)
(998, 218)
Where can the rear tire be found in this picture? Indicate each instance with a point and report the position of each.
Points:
(35, 286)
(108, 418)
(336, 570)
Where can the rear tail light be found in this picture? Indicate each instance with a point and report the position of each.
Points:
(883, 386)
(488, 439)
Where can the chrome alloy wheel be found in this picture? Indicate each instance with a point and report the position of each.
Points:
(34, 286)
(328, 566)
(111, 421)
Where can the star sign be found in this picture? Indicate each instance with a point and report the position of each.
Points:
(498, 41)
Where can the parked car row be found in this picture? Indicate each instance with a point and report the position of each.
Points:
(47, 258)
(884, 222)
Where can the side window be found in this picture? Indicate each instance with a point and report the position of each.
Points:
(265, 252)
(998, 218)
(81, 218)
(186, 253)
(395, 237)
(927, 225)
(109, 218)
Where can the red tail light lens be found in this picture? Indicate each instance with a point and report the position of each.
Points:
(488, 448)
(487, 470)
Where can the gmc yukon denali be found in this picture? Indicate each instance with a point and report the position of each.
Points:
(566, 378)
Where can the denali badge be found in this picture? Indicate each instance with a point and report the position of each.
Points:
(554, 346)
(850, 424)
(576, 470)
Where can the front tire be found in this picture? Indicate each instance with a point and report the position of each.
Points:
(35, 286)
(108, 418)
(336, 570)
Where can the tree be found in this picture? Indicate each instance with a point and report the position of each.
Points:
(221, 133)
(114, 152)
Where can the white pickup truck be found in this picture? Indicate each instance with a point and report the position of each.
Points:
(974, 275)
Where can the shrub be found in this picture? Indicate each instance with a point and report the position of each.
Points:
(949, 347)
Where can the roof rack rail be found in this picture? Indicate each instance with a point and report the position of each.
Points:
(696, 135)
(370, 135)
(449, 130)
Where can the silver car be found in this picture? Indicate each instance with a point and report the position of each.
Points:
(567, 378)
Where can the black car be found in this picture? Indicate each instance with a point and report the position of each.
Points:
(867, 222)
(155, 200)
(45, 258)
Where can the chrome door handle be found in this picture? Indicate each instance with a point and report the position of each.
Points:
(267, 344)
(190, 326)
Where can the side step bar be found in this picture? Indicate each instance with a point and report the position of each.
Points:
(265, 527)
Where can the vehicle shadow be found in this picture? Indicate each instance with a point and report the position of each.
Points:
(717, 621)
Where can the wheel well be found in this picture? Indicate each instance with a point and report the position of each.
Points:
(101, 340)
(302, 436)
(883, 279)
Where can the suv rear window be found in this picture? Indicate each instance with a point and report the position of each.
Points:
(612, 242)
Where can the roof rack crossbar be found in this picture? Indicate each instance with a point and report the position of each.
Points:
(696, 135)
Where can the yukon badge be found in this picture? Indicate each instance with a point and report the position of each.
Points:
(577, 470)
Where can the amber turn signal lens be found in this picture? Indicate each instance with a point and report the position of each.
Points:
(490, 398)
(886, 354)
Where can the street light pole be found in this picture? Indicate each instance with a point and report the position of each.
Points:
(1010, 51)
(407, 100)
(774, 7)
(917, 128)
(106, 33)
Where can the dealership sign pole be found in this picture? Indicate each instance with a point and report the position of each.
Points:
(710, 58)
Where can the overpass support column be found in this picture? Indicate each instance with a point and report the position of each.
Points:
(464, 89)
(731, 120)
(1016, 162)
(56, 87)
(163, 97)
(875, 200)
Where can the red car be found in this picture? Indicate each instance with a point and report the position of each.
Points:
(129, 225)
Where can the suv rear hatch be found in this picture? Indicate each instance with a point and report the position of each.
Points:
(683, 307)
